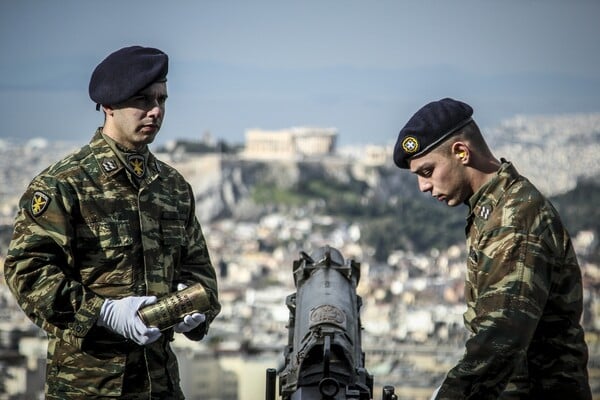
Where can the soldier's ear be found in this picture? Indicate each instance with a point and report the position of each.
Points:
(108, 110)
(461, 151)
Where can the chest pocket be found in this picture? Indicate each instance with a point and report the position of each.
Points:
(172, 231)
(174, 240)
(104, 234)
(104, 253)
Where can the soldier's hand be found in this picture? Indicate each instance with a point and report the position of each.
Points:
(120, 316)
(189, 322)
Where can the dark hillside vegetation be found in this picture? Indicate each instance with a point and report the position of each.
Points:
(413, 221)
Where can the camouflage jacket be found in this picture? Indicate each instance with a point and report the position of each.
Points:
(85, 232)
(524, 300)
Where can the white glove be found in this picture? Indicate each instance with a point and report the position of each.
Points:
(120, 316)
(190, 321)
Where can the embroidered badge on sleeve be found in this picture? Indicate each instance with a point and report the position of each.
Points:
(39, 203)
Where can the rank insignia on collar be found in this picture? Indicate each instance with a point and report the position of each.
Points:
(109, 165)
(39, 203)
(485, 211)
(137, 164)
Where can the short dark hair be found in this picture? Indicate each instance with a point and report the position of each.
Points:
(469, 133)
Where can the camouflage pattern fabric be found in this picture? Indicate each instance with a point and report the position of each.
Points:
(88, 230)
(524, 300)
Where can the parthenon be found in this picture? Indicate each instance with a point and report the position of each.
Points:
(291, 143)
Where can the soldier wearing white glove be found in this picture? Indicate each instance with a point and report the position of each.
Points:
(120, 316)
(190, 321)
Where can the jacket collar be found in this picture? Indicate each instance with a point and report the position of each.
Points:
(484, 201)
(111, 164)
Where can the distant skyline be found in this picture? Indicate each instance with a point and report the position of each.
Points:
(361, 67)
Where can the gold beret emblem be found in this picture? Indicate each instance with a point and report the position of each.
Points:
(410, 144)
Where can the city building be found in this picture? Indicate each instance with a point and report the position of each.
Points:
(292, 143)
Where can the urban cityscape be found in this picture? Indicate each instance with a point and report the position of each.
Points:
(413, 302)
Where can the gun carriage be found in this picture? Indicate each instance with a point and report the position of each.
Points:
(324, 359)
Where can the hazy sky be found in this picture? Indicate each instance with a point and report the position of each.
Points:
(363, 67)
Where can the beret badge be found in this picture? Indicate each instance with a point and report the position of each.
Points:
(410, 144)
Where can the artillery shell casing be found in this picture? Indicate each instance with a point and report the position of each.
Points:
(171, 309)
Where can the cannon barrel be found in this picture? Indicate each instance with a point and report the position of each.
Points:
(324, 357)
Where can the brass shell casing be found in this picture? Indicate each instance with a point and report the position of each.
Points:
(171, 309)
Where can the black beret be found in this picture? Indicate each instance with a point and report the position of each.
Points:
(125, 72)
(433, 123)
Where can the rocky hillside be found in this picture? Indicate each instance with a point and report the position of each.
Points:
(383, 199)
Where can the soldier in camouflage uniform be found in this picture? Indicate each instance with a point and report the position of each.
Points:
(523, 283)
(104, 231)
